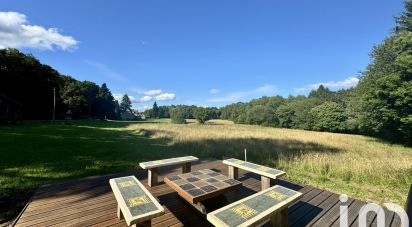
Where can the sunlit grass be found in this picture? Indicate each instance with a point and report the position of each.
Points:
(362, 167)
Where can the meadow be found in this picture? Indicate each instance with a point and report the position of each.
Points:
(34, 153)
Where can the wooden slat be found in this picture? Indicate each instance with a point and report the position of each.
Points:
(297, 214)
(332, 214)
(316, 212)
(353, 212)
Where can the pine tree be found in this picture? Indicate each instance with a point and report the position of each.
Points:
(126, 104)
(155, 111)
(105, 103)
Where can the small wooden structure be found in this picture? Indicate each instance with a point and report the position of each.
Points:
(266, 173)
(134, 203)
(152, 166)
(271, 203)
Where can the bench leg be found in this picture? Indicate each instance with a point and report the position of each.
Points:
(119, 212)
(233, 172)
(265, 181)
(152, 178)
(280, 219)
(186, 167)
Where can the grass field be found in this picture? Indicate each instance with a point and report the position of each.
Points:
(34, 153)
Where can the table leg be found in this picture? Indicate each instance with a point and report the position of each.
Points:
(280, 219)
(201, 208)
(233, 172)
(266, 182)
(186, 167)
(152, 178)
(119, 212)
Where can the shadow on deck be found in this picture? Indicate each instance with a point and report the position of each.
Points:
(90, 202)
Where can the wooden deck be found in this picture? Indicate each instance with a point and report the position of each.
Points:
(90, 202)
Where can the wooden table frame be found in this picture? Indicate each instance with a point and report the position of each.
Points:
(153, 169)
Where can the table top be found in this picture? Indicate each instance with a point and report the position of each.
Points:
(255, 168)
(255, 208)
(202, 184)
(167, 162)
(136, 202)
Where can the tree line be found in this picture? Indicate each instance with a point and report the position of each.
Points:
(33, 84)
(179, 113)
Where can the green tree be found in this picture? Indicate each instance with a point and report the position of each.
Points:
(106, 103)
(323, 94)
(261, 115)
(203, 114)
(155, 111)
(91, 90)
(177, 115)
(295, 113)
(404, 21)
(329, 116)
(73, 95)
(385, 87)
(126, 104)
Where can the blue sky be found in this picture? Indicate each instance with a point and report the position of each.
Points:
(207, 53)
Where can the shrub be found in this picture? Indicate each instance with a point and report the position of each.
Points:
(329, 116)
(178, 115)
(202, 115)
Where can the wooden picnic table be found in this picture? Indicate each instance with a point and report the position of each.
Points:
(197, 186)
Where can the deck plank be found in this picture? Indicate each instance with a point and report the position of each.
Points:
(90, 202)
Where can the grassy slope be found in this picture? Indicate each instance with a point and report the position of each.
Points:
(35, 153)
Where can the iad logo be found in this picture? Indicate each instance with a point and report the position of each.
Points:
(372, 207)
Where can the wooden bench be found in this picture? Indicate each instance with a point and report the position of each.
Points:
(152, 167)
(266, 173)
(271, 203)
(134, 203)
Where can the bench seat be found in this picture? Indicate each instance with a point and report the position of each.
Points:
(152, 167)
(271, 203)
(134, 202)
(266, 173)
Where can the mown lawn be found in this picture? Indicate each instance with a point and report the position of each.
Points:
(35, 153)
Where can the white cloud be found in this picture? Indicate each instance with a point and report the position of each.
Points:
(119, 96)
(214, 91)
(152, 92)
(143, 108)
(165, 97)
(347, 83)
(238, 96)
(146, 98)
(106, 71)
(15, 32)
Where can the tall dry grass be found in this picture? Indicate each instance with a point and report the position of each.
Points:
(360, 166)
